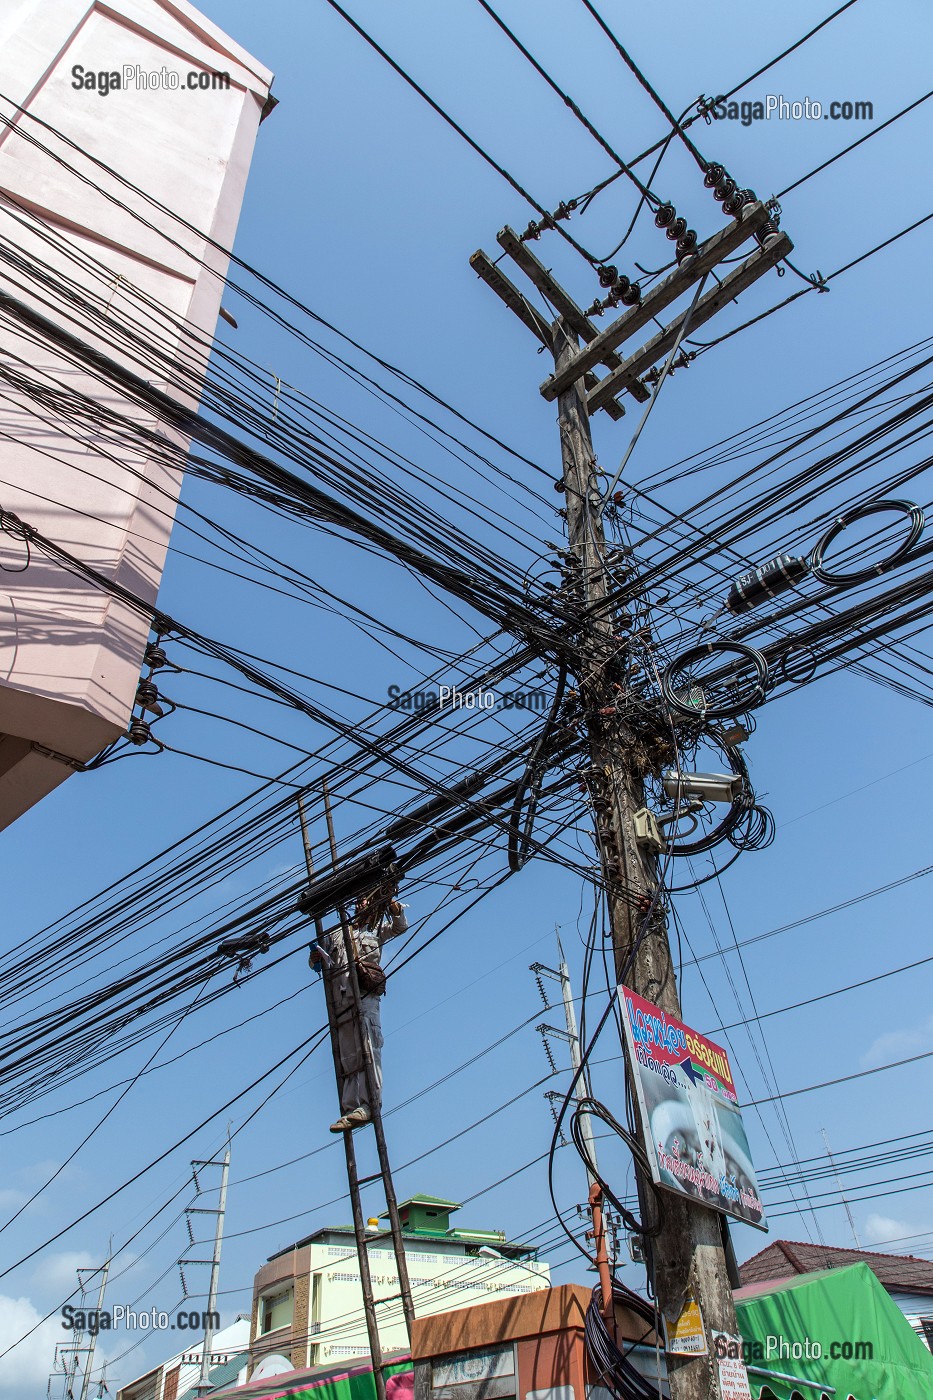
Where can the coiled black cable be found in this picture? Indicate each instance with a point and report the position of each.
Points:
(648, 1192)
(841, 580)
(610, 1362)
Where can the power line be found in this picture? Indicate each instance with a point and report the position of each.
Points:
(843, 1079)
(649, 89)
(824, 913)
(860, 142)
(453, 124)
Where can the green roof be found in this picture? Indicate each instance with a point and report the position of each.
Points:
(834, 1308)
(428, 1201)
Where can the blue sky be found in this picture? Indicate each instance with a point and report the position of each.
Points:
(367, 208)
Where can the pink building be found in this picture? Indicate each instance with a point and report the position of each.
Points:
(154, 91)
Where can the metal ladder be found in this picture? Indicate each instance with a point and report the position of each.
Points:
(384, 1174)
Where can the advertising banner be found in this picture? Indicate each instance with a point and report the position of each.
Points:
(694, 1134)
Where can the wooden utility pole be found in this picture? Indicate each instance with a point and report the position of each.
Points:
(688, 1256)
(363, 1238)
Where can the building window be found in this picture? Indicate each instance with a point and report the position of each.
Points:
(276, 1310)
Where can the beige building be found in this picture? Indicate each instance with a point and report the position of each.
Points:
(308, 1304)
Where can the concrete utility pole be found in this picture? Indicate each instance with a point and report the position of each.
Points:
(89, 1364)
(203, 1382)
(71, 1370)
(832, 1163)
(581, 1093)
(572, 1037)
(688, 1254)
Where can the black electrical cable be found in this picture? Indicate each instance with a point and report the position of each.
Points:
(610, 1362)
(703, 106)
(849, 579)
(316, 1037)
(658, 101)
(18, 129)
(592, 1107)
(531, 780)
(568, 101)
(815, 286)
(454, 125)
(861, 141)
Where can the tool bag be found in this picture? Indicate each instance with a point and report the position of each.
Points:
(370, 976)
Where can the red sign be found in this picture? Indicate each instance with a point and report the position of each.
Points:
(694, 1134)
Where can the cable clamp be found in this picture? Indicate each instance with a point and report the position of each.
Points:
(76, 763)
(14, 526)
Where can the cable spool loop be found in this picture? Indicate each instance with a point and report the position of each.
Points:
(848, 517)
(790, 671)
(758, 832)
(612, 1364)
(720, 700)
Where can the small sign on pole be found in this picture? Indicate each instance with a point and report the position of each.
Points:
(694, 1134)
(733, 1377)
(685, 1336)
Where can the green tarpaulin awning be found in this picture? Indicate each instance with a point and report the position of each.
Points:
(836, 1334)
(318, 1383)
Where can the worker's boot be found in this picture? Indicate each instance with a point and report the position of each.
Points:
(354, 1119)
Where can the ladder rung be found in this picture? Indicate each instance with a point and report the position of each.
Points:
(363, 1180)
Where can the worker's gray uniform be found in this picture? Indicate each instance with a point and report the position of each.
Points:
(352, 1074)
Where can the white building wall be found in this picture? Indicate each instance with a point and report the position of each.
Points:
(916, 1307)
(226, 1343)
(440, 1282)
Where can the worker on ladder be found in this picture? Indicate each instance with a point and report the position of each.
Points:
(377, 917)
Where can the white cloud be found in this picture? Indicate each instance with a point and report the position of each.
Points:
(898, 1045)
(12, 1200)
(896, 1235)
(38, 1173)
(59, 1272)
(25, 1371)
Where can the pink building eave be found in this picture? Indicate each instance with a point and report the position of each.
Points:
(85, 248)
